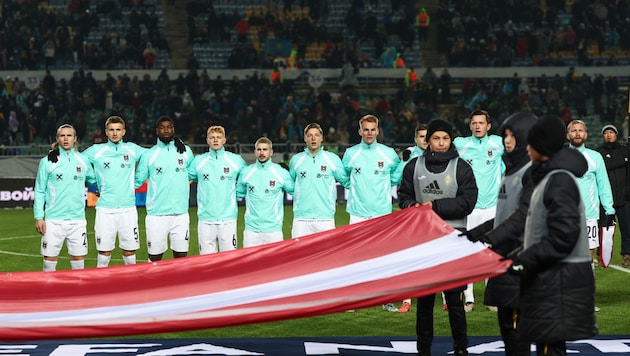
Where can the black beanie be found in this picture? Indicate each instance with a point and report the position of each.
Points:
(548, 135)
(439, 125)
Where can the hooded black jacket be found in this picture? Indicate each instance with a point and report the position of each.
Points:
(503, 291)
(557, 297)
(616, 160)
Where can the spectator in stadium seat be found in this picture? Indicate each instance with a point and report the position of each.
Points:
(149, 54)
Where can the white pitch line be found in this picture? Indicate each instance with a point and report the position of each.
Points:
(19, 237)
(20, 254)
(620, 268)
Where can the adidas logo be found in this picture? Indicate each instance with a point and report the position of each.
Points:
(502, 193)
(432, 188)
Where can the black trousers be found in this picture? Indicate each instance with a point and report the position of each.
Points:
(508, 321)
(456, 317)
(555, 349)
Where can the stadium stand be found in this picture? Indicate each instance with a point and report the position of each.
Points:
(96, 54)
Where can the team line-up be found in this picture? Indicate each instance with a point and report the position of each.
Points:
(522, 193)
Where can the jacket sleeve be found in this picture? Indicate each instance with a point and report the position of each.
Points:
(615, 161)
(509, 234)
(192, 169)
(142, 171)
(562, 200)
(289, 183)
(395, 173)
(603, 186)
(406, 192)
(345, 161)
(340, 174)
(241, 186)
(41, 185)
(466, 198)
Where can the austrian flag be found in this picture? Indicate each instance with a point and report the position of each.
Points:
(409, 253)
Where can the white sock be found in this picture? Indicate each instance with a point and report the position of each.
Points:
(407, 301)
(102, 260)
(130, 260)
(77, 264)
(468, 293)
(50, 266)
(443, 298)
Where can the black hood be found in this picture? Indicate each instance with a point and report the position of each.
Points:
(520, 124)
(567, 158)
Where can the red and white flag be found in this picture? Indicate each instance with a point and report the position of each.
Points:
(406, 254)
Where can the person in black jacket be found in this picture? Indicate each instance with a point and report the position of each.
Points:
(557, 283)
(445, 182)
(616, 160)
(504, 233)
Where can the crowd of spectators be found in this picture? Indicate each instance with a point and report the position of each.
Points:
(254, 106)
(554, 32)
(469, 33)
(37, 36)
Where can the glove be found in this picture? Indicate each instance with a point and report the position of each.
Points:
(609, 220)
(179, 144)
(512, 254)
(53, 155)
(406, 154)
(517, 269)
(475, 235)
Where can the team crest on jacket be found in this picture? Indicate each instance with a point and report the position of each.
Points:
(226, 170)
(126, 158)
(79, 169)
(272, 183)
(489, 153)
(180, 161)
(381, 164)
(323, 168)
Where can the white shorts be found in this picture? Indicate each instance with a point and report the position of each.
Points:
(251, 238)
(121, 221)
(216, 236)
(160, 227)
(303, 227)
(73, 232)
(480, 216)
(357, 219)
(592, 232)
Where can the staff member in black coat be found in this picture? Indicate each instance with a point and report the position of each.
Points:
(445, 182)
(557, 283)
(616, 160)
(504, 233)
